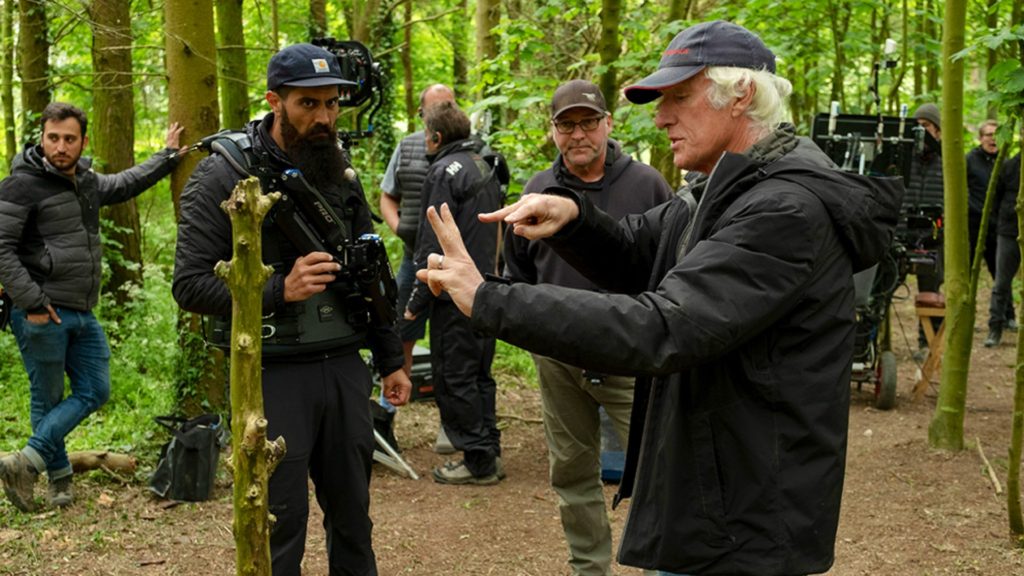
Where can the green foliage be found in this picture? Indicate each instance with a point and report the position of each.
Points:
(515, 364)
(141, 384)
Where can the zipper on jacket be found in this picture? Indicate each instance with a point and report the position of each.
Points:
(86, 204)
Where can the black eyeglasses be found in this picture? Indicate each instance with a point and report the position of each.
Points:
(569, 126)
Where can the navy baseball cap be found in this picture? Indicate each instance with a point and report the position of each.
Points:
(304, 65)
(716, 43)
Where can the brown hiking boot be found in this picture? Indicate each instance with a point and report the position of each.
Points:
(60, 492)
(19, 479)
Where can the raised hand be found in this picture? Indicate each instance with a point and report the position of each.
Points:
(454, 271)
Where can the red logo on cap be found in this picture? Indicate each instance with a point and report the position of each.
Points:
(677, 52)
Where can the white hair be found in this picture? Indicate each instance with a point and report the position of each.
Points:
(767, 109)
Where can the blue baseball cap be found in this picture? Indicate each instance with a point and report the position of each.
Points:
(304, 65)
(716, 43)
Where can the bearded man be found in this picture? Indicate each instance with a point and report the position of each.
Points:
(315, 385)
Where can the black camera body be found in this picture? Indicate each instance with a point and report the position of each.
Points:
(310, 224)
(364, 261)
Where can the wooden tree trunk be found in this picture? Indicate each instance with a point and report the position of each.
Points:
(359, 18)
(992, 22)
(920, 54)
(1013, 487)
(946, 430)
(460, 51)
(34, 67)
(894, 90)
(192, 96)
(488, 16)
(318, 18)
(253, 456)
(410, 96)
(113, 141)
(609, 49)
(932, 68)
(679, 10)
(839, 13)
(233, 78)
(7, 81)
(275, 25)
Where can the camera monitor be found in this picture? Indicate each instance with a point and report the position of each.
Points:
(852, 142)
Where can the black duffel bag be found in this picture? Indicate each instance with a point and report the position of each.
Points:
(188, 461)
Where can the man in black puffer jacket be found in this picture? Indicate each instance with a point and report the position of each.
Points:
(460, 358)
(316, 387)
(739, 316)
(50, 266)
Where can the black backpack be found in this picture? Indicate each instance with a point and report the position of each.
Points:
(188, 461)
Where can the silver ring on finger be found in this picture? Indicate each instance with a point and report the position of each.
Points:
(440, 262)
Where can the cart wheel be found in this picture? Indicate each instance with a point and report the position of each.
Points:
(885, 388)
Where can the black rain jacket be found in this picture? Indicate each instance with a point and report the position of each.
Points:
(460, 177)
(738, 445)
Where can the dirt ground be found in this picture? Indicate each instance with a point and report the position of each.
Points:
(907, 509)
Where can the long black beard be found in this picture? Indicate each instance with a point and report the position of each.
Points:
(320, 159)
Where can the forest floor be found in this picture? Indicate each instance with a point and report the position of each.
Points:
(907, 509)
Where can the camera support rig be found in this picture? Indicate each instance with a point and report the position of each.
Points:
(367, 97)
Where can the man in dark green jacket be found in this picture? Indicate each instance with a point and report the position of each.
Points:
(50, 266)
(739, 316)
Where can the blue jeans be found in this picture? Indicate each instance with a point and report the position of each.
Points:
(78, 347)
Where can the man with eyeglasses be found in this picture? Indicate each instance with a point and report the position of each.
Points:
(592, 163)
(980, 161)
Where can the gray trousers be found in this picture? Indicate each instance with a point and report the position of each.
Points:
(1007, 263)
(573, 429)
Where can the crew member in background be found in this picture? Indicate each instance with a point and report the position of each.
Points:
(924, 196)
(460, 357)
(1007, 249)
(50, 265)
(592, 163)
(980, 162)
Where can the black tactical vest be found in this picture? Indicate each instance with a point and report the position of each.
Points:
(336, 318)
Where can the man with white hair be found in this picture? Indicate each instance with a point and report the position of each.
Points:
(739, 316)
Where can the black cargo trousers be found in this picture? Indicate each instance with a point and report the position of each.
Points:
(460, 360)
(322, 409)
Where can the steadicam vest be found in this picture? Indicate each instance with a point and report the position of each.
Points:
(332, 319)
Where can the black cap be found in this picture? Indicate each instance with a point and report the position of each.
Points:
(304, 65)
(717, 43)
(577, 94)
